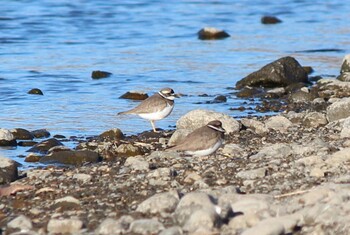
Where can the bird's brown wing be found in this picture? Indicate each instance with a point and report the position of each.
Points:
(196, 141)
(152, 104)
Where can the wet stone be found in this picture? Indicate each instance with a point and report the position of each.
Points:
(112, 135)
(22, 134)
(219, 99)
(279, 73)
(44, 146)
(97, 74)
(35, 91)
(7, 138)
(27, 143)
(211, 34)
(270, 20)
(59, 136)
(41, 133)
(32, 157)
(134, 95)
(69, 157)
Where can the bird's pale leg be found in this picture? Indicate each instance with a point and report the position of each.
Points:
(153, 126)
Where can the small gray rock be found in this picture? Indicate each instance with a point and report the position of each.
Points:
(8, 170)
(345, 131)
(137, 163)
(175, 230)
(315, 119)
(205, 218)
(82, 177)
(146, 226)
(21, 222)
(265, 228)
(62, 226)
(278, 123)
(257, 126)
(111, 226)
(199, 117)
(339, 110)
(252, 174)
(159, 203)
(345, 67)
(190, 203)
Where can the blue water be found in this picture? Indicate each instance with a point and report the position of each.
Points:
(147, 45)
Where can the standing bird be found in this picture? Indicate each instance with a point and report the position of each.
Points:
(202, 141)
(155, 107)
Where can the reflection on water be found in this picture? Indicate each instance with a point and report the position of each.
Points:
(147, 45)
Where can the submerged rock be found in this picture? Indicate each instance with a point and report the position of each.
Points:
(208, 33)
(44, 146)
(282, 72)
(22, 134)
(270, 20)
(70, 157)
(41, 133)
(35, 91)
(100, 74)
(134, 95)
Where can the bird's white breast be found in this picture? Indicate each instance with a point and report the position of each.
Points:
(207, 151)
(158, 115)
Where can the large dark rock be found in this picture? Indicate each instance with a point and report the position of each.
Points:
(71, 157)
(280, 73)
(8, 170)
(22, 134)
(44, 146)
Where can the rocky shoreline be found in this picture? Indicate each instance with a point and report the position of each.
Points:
(285, 174)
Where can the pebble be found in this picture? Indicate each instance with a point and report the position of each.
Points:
(137, 163)
(159, 203)
(175, 230)
(190, 203)
(146, 226)
(278, 123)
(21, 222)
(338, 110)
(62, 226)
(84, 178)
(252, 174)
(8, 170)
